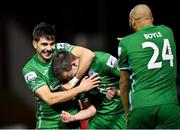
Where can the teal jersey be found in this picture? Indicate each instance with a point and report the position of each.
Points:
(106, 66)
(150, 54)
(37, 74)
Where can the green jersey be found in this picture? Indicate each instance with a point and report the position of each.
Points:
(150, 54)
(36, 75)
(106, 66)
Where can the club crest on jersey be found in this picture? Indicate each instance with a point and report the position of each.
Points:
(112, 62)
(60, 45)
(29, 77)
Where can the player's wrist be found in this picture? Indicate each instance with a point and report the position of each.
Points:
(73, 81)
(73, 118)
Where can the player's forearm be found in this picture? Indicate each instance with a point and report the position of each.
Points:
(85, 56)
(125, 100)
(85, 61)
(85, 114)
(52, 98)
(124, 89)
(63, 96)
(124, 94)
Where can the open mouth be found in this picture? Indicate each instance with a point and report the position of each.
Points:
(47, 55)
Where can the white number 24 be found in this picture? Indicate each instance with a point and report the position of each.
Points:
(165, 56)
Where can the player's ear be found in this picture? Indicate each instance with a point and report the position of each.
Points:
(34, 44)
(152, 19)
(74, 63)
(133, 22)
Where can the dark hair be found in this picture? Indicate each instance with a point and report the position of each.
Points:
(44, 29)
(62, 63)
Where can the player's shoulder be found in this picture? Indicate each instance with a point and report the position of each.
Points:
(129, 36)
(102, 54)
(28, 64)
(164, 27)
(128, 39)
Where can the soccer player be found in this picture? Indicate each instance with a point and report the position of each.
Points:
(107, 114)
(45, 87)
(148, 57)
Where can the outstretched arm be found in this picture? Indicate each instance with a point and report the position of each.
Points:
(81, 115)
(58, 97)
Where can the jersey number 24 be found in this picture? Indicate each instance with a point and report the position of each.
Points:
(166, 54)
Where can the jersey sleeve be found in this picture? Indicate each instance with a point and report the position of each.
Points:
(64, 47)
(122, 57)
(111, 66)
(33, 79)
(108, 63)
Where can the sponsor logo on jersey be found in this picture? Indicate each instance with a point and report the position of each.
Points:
(112, 62)
(45, 72)
(29, 77)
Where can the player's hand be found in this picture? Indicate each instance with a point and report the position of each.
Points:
(66, 117)
(88, 83)
(112, 92)
(66, 86)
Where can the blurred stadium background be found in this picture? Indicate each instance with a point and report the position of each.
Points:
(94, 24)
